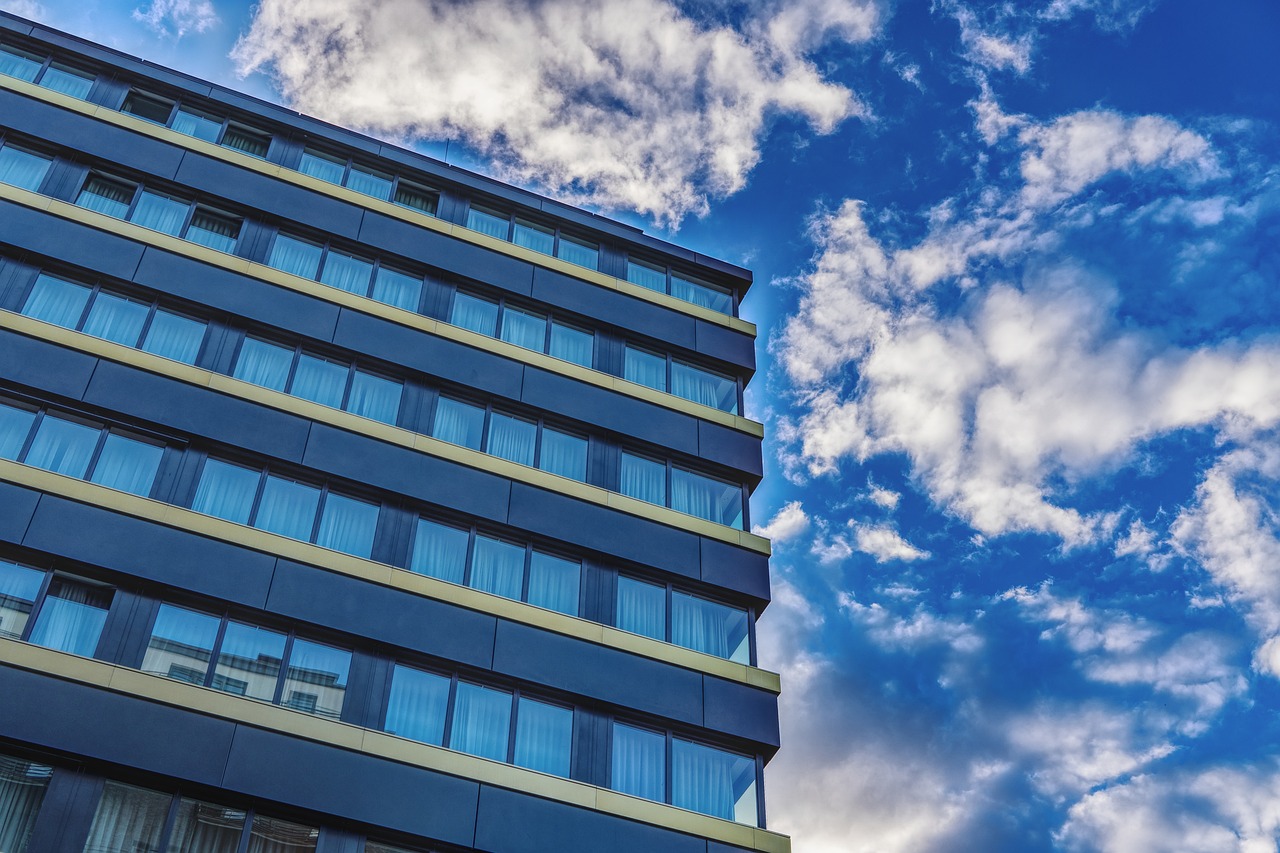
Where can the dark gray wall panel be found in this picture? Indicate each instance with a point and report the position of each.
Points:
(602, 673)
(387, 615)
(125, 730)
(447, 253)
(725, 344)
(17, 506)
(730, 447)
(49, 367)
(237, 294)
(735, 568)
(354, 786)
(511, 822)
(740, 710)
(603, 529)
(198, 410)
(610, 306)
(148, 550)
(68, 241)
(434, 356)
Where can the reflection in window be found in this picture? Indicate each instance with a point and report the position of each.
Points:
(201, 827)
(22, 787)
(128, 818)
(249, 661)
(19, 587)
(181, 645)
(316, 679)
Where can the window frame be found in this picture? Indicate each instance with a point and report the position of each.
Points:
(47, 61)
(668, 378)
(671, 465)
(194, 206)
(515, 216)
(540, 421)
(226, 122)
(394, 179)
(326, 245)
(668, 614)
(670, 272)
(40, 600)
(503, 303)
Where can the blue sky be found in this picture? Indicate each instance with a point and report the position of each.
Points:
(1020, 359)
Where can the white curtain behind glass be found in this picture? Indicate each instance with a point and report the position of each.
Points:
(645, 369)
(524, 329)
(544, 737)
(206, 828)
(63, 446)
(19, 65)
(398, 289)
(459, 423)
(226, 491)
(553, 583)
(347, 273)
(160, 213)
(71, 617)
(348, 525)
(127, 465)
(417, 705)
(706, 498)
(287, 508)
(22, 169)
(197, 126)
(573, 345)
(175, 337)
(700, 386)
(128, 819)
(497, 567)
(563, 454)
(22, 787)
(481, 721)
(14, 426)
(295, 256)
(703, 779)
(644, 479)
(271, 835)
(706, 626)
(639, 762)
(642, 608)
(512, 438)
(440, 551)
(375, 397)
(117, 319)
(369, 183)
(56, 301)
(320, 381)
(263, 364)
(478, 315)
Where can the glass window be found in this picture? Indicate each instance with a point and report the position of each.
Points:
(647, 275)
(19, 63)
(706, 626)
(127, 464)
(263, 364)
(57, 301)
(703, 386)
(440, 551)
(128, 819)
(291, 255)
(287, 508)
(524, 329)
(322, 166)
(563, 454)
(481, 721)
(249, 661)
(320, 380)
(512, 438)
(117, 319)
(417, 198)
(22, 787)
(206, 828)
(68, 81)
(713, 782)
(642, 608)
(417, 705)
(226, 491)
(215, 230)
(106, 196)
(160, 213)
(369, 182)
(348, 525)
(181, 644)
(544, 737)
(147, 107)
(63, 446)
(194, 124)
(498, 567)
(19, 586)
(272, 835)
(639, 762)
(316, 679)
(71, 616)
(15, 424)
(375, 397)
(347, 272)
(533, 236)
(571, 344)
(459, 423)
(398, 289)
(701, 293)
(645, 368)
(488, 222)
(578, 252)
(249, 141)
(478, 315)
(644, 479)
(706, 498)
(174, 336)
(22, 168)
(553, 583)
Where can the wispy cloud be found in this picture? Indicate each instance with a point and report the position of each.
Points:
(178, 17)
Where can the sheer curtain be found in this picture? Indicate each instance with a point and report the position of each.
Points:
(578, 252)
(322, 166)
(369, 183)
(287, 508)
(67, 82)
(216, 232)
(553, 583)
(572, 345)
(14, 426)
(644, 479)
(706, 498)
(512, 438)
(127, 465)
(639, 763)
(563, 454)
(348, 525)
(645, 368)
(532, 236)
(398, 289)
(226, 490)
(700, 293)
(295, 256)
(320, 672)
(22, 787)
(175, 337)
(71, 617)
(524, 329)
(272, 835)
(707, 626)
(19, 64)
(181, 644)
(459, 423)
(701, 386)
(116, 319)
(478, 315)
(63, 446)
(22, 169)
(106, 197)
(56, 301)
(196, 125)
(645, 275)
(206, 828)
(709, 780)
(160, 213)
(263, 364)
(347, 272)
(497, 567)
(642, 608)
(128, 819)
(320, 381)
(375, 397)
(481, 721)
(544, 737)
(440, 551)
(488, 222)
(417, 705)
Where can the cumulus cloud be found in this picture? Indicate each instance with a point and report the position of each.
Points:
(882, 497)
(885, 543)
(788, 523)
(625, 104)
(177, 17)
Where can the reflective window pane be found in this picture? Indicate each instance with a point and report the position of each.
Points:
(322, 166)
(512, 438)
(127, 464)
(348, 525)
(440, 551)
(147, 107)
(174, 336)
(160, 212)
(251, 142)
(707, 626)
(63, 446)
(19, 63)
(19, 586)
(417, 705)
(540, 238)
(713, 782)
(181, 645)
(71, 616)
(272, 835)
(227, 491)
(197, 125)
(639, 763)
(524, 329)
(572, 344)
(578, 252)
(68, 81)
(701, 293)
(497, 567)
(481, 721)
(563, 454)
(316, 679)
(644, 479)
(22, 787)
(647, 275)
(372, 183)
(287, 508)
(375, 397)
(553, 583)
(249, 661)
(215, 230)
(478, 315)
(116, 319)
(263, 364)
(417, 198)
(645, 368)
(15, 426)
(106, 196)
(206, 828)
(57, 301)
(22, 168)
(128, 819)
(320, 380)
(398, 289)
(488, 222)
(295, 256)
(544, 737)
(703, 386)
(706, 497)
(459, 423)
(347, 272)
(642, 608)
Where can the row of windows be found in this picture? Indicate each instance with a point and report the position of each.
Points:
(339, 384)
(372, 278)
(312, 512)
(234, 656)
(368, 180)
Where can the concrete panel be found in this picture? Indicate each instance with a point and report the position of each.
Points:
(741, 711)
(730, 447)
(49, 367)
(17, 506)
(67, 241)
(738, 569)
(614, 308)
(447, 253)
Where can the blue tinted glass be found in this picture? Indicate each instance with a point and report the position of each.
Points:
(488, 222)
(20, 64)
(295, 256)
(173, 336)
(459, 423)
(348, 525)
(374, 397)
(226, 491)
(544, 737)
(536, 237)
(320, 380)
(706, 498)
(481, 721)
(701, 293)
(646, 275)
(703, 386)
(578, 252)
(417, 705)
(66, 81)
(524, 329)
(316, 679)
(497, 567)
(512, 438)
(194, 124)
(160, 213)
(571, 344)
(639, 763)
(398, 289)
(370, 183)
(15, 424)
(645, 368)
(106, 196)
(263, 364)
(706, 626)
(71, 617)
(553, 583)
(478, 315)
(322, 166)
(116, 319)
(56, 301)
(440, 551)
(127, 465)
(287, 508)
(22, 168)
(347, 272)
(642, 608)
(644, 479)
(713, 782)
(19, 587)
(249, 661)
(563, 454)
(181, 644)
(63, 446)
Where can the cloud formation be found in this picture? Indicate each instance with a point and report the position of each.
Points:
(177, 17)
(624, 104)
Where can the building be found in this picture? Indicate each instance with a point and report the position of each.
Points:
(353, 502)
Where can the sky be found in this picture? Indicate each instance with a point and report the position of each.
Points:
(1016, 282)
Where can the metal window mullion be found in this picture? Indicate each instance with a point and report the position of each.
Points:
(174, 106)
(263, 474)
(348, 387)
(216, 651)
(44, 67)
(538, 433)
(447, 737)
(528, 570)
(668, 615)
(222, 131)
(37, 604)
(470, 556)
(284, 667)
(485, 427)
(546, 340)
(186, 219)
(170, 819)
(94, 290)
(31, 436)
(346, 172)
(373, 274)
(511, 726)
(246, 834)
(667, 798)
(293, 369)
(667, 462)
(146, 325)
(138, 190)
(320, 505)
(96, 453)
(325, 248)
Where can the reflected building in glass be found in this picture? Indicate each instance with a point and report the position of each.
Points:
(351, 502)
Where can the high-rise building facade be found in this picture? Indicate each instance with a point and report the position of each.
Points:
(353, 502)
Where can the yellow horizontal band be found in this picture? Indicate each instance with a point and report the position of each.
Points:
(380, 573)
(378, 430)
(210, 702)
(422, 220)
(271, 275)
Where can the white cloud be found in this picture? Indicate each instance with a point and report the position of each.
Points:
(624, 103)
(918, 630)
(882, 497)
(1139, 541)
(788, 523)
(1109, 14)
(883, 542)
(178, 17)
